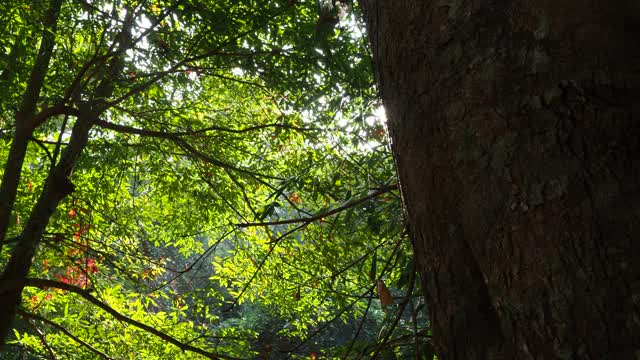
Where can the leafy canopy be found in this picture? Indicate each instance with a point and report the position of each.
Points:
(232, 192)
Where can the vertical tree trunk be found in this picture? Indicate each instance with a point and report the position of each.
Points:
(516, 130)
(24, 118)
(57, 186)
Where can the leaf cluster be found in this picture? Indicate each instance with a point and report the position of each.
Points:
(234, 195)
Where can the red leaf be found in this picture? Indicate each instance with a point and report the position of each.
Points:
(91, 266)
(63, 279)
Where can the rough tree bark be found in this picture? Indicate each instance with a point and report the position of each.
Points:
(516, 129)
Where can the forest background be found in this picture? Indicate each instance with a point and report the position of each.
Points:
(198, 178)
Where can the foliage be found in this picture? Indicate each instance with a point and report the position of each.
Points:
(235, 196)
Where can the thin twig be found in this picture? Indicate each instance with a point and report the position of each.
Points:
(274, 243)
(360, 326)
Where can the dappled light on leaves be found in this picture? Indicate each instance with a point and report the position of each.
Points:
(201, 179)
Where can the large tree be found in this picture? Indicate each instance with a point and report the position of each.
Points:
(516, 131)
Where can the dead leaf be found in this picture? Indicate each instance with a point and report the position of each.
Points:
(384, 294)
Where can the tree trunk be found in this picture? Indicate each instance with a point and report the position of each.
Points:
(57, 186)
(516, 131)
(24, 117)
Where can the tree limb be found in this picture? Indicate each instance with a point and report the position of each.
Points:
(206, 158)
(177, 138)
(43, 340)
(347, 205)
(64, 331)
(86, 294)
(172, 135)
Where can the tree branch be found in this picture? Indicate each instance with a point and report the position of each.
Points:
(86, 294)
(143, 132)
(174, 135)
(177, 138)
(204, 157)
(347, 205)
(43, 340)
(46, 113)
(64, 331)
